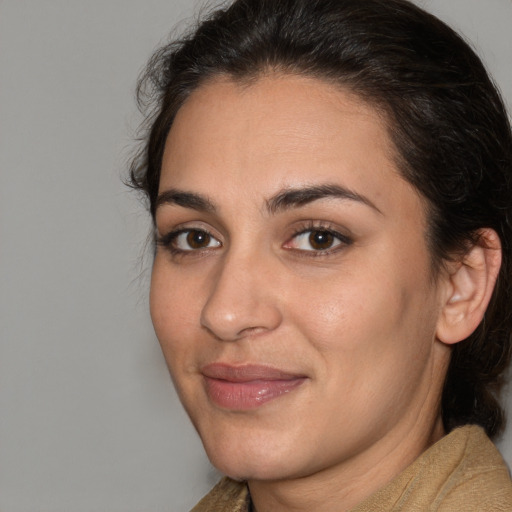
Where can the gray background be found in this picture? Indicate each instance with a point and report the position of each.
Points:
(88, 417)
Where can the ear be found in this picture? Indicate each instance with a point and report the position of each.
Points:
(469, 284)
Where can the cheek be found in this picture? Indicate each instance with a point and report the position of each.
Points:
(161, 303)
(171, 306)
(372, 313)
(341, 307)
(375, 347)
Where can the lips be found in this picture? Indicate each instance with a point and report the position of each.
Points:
(247, 387)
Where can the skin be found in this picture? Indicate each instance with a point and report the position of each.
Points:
(360, 320)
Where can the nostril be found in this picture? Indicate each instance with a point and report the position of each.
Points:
(233, 320)
(248, 332)
(252, 331)
(240, 303)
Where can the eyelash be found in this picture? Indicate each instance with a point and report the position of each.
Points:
(168, 240)
(319, 227)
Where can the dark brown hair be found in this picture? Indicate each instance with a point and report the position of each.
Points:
(445, 116)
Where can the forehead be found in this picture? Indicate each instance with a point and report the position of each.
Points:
(279, 132)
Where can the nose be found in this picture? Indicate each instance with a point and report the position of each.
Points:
(243, 299)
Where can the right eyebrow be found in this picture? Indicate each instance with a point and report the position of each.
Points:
(185, 199)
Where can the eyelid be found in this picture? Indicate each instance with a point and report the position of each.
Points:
(170, 226)
(166, 240)
(343, 239)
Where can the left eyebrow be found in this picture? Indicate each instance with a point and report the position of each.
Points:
(296, 197)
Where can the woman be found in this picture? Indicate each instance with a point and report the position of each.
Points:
(330, 183)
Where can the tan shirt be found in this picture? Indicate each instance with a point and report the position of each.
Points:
(463, 472)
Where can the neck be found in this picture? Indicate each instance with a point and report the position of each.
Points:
(344, 486)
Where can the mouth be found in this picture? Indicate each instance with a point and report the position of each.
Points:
(247, 387)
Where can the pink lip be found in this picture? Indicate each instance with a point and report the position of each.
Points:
(247, 387)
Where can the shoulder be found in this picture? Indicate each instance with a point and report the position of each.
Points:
(227, 496)
(480, 479)
(463, 471)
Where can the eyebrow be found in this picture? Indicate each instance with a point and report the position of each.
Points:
(296, 197)
(283, 200)
(185, 199)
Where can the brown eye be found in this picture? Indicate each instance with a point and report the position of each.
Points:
(321, 240)
(318, 241)
(198, 239)
(193, 240)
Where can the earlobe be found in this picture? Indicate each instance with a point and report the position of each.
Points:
(469, 287)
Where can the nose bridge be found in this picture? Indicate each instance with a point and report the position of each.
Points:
(242, 299)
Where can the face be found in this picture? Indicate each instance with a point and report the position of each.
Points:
(292, 291)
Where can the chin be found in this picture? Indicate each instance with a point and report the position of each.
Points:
(249, 458)
(251, 470)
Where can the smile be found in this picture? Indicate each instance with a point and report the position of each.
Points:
(247, 387)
